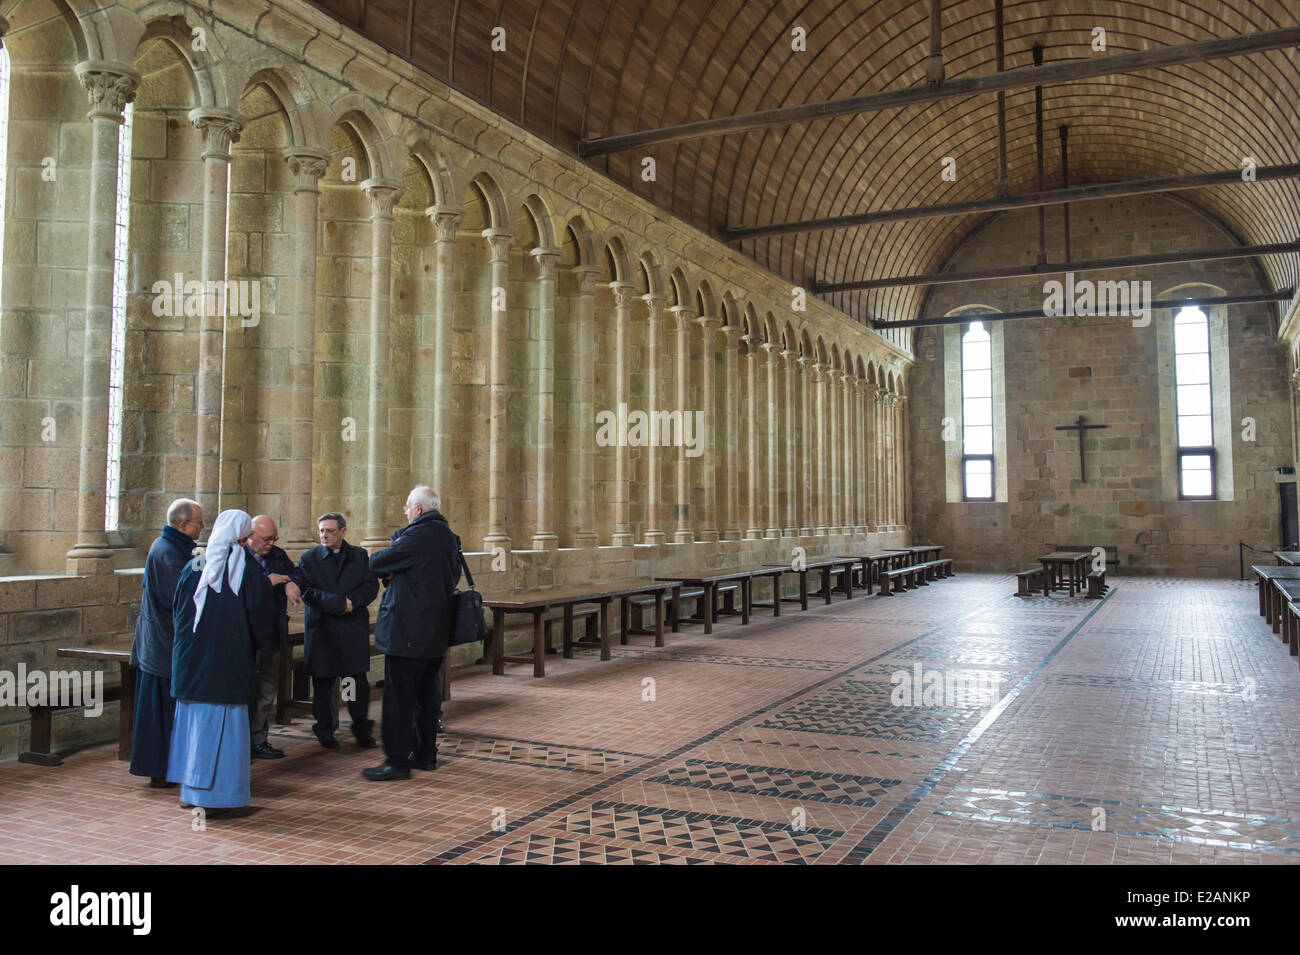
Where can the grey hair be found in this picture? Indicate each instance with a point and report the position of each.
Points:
(333, 516)
(426, 497)
(181, 510)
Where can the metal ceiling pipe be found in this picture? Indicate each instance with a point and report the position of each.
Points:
(1066, 71)
(1057, 268)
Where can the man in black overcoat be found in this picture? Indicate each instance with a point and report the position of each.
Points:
(275, 565)
(337, 587)
(421, 566)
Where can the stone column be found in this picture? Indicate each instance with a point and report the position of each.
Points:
(307, 166)
(708, 524)
(731, 334)
(498, 390)
(755, 530)
(864, 460)
(903, 489)
(654, 534)
(806, 473)
(850, 455)
(882, 475)
(819, 383)
(220, 128)
(582, 478)
(446, 221)
(110, 86)
(791, 529)
(891, 461)
(836, 469)
(773, 443)
(383, 195)
(682, 533)
(624, 296)
(548, 260)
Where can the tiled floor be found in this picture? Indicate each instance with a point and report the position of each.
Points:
(1157, 725)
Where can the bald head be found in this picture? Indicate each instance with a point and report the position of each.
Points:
(264, 535)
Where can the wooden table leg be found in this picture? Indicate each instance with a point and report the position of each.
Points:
(1047, 578)
(605, 651)
(826, 583)
(125, 711)
(539, 642)
(498, 641)
(848, 581)
(803, 589)
(1259, 585)
(624, 617)
(659, 618)
(568, 631)
(709, 607)
(776, 595)
(675, 611)
(1273, 614)
(746, 598)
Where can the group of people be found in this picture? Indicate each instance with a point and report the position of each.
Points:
(213, 622)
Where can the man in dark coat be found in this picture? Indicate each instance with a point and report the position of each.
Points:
(280, 571)
(151, 648)
(421, 567)
(337, 587)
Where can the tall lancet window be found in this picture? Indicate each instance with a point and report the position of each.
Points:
(1195, 405)
(117, 342)
(977, 413)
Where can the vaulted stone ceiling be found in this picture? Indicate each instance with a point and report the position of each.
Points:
(585, 68)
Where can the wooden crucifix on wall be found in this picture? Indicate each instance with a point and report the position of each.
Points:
(1081, 427)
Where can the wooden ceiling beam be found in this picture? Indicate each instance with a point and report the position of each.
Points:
(1105, 190)
(1050, 74)
(1055, 268)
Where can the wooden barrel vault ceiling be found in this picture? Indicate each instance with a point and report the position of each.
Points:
(575, 69)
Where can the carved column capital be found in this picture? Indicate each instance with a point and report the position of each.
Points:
(498, 241)
(625, 293)
(655, 303)
(220, 129)
(307, 166)
(383, 195)
(548, 260)
(731, 334)
(4, 28)
(586, 276)
(109, 86)
(684, 315)
(446, 220)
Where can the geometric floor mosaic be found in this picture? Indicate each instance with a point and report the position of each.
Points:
(798, 784)
(861, 708)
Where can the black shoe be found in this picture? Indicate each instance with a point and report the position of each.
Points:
(427, 767)
(441, 728)
(385, 772)
(365, 742)
(327, 740)
(158, 782)
(266, 751)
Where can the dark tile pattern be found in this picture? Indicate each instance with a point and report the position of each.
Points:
(841, 788)
(862, 708)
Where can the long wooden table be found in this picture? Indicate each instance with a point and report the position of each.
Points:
(1055, 566)
(119, 653)
(537, 602)
(1288, 593)
(923, 553)
(1265, 574)
(1289, 558)
(820, 566)
(709, 584)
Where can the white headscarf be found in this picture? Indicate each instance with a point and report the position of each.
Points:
(224, 559)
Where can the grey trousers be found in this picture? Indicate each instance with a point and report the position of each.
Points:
(264, 689)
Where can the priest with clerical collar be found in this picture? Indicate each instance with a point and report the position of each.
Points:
(223, 616)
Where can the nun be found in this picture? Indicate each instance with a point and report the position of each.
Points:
(222, 617)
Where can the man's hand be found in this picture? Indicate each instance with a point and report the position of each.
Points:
(348, 600)
(292, 592)
(277, 579)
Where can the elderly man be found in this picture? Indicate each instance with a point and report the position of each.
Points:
(274, 564)
(337, 587)
(421, 566)
(151, 648)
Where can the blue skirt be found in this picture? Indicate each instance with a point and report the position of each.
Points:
(151, 733)
(209, 754)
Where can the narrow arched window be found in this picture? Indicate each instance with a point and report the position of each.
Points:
(977, 462)
(117, 340)
(1195, 404)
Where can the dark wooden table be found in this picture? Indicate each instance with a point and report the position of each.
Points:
(537, 602)
(709, 584)
(1289, 558)
(1288, 594)
(886, 560)
(119, 653)
(822, 567)
(1055, 566)
(924, 552)
(1265, 574)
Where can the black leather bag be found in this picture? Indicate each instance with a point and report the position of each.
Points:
(468, 626)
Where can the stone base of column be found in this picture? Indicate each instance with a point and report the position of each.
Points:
(707, 536)
(683, 537)
(753, 533)
(585, 540)
(805, 532)
(820, 531)
(299, 546)
(772, 533)
(655, 537)
(89, 561)
(372, 544)
(790, 532)
(545, 541)
(733, 534)
(863, 529)
(622, 539)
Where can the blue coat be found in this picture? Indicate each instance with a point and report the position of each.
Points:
(151, 647)
(337, 643)
(415, 616)
(216, 664)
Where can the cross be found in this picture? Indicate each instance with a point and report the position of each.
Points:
(1081, 427)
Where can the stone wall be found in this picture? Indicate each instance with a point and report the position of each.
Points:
(1056, 369)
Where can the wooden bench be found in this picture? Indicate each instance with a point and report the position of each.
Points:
(1097, 584)
(39, 750)
(646, 602)
(917, 575)
(1028, 582)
